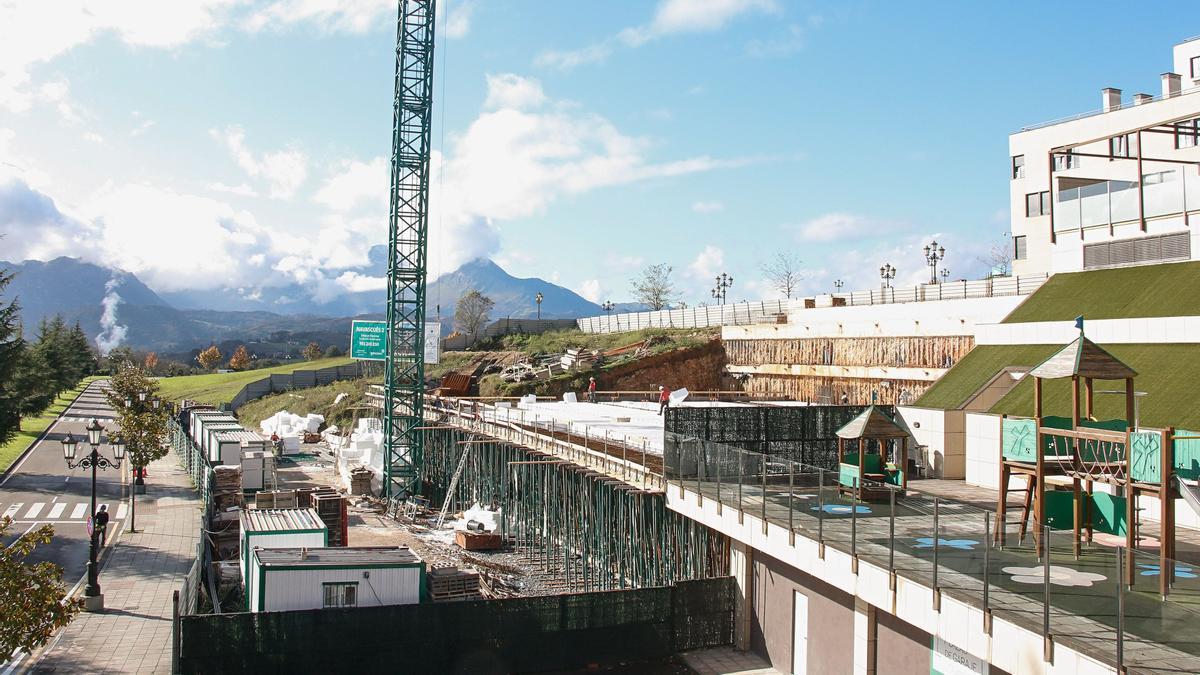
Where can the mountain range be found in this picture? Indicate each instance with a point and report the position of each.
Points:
(277, 319)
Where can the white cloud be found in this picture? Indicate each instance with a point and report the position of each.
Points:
(513, 91)
(590, 289)
(241, 190)
(346, 16)
(790, 42)
(141, 128)
(458, 20)
(708, 263)
(670, 17)
(354, 183)
(834, 227)
(284, 171)
(93, 137)
(359, 283)
(707, 207)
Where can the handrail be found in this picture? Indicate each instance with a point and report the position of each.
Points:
(1123, 106)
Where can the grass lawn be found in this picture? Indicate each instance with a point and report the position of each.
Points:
(221, 387)
(32, 427)
(976, 368)
(1127, 292)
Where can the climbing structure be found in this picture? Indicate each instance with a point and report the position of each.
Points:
(404, 374)
(1061, 460)
(865, 471)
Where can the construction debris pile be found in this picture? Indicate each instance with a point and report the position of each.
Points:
(546, 366)
(292, 430)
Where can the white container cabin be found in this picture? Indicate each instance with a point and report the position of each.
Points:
(330, 578)
(228, 446)
(278, 528)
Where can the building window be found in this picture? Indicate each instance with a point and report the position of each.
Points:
(1064, 161)
(1018, 167)
(341, 594)
(1118, 146)
(1019, 252)
(1186, 134)
(1037, 204)
(1196, 67)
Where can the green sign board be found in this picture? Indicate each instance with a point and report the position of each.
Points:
(368, 340)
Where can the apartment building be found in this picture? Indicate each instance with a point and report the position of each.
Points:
(1118, 186)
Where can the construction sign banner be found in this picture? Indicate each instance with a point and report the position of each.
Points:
(433, 342)
(368, 340)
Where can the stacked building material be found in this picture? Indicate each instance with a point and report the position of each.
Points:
(275, 499)
(227, 487)
(360, 481)
(478, 541)
(225, 533)
(449, 584)
(331, 508)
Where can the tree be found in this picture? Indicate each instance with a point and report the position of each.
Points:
(654, 287)
(312, 351)
(34, 390)
(83, 354)
(471, 312)
(333, 350)
(11, 347)
(150, 362)
(783, 273)
(999, 258)
(33, 596)
(240, 359)
(143, 427)
(209, 358)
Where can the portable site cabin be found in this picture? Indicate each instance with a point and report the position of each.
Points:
(278, 528)
(208, 443)
(286, 579)
(202, 421)
(228, 446)
(258, 469)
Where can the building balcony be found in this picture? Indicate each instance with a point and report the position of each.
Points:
(1088, 204)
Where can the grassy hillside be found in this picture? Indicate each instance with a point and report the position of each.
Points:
(558, 341)
(221, 387)
(1127, 292)
(976, 368)
(31, 427)
(318, 400)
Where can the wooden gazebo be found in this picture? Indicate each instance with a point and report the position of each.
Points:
(872, 425)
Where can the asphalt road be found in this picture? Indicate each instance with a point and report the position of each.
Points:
(42, 490)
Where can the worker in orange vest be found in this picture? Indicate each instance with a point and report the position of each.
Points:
(592, 389)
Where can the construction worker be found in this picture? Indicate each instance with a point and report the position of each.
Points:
(592, 389)
(100, 524)
(664, 399)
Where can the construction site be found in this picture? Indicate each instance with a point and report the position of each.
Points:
(917, 480)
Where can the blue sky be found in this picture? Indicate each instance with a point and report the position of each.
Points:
(239, 143)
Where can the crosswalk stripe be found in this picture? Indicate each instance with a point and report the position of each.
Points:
(78, 511)
(35, 510)
(12, 510)
(121, 510)
(57, 510)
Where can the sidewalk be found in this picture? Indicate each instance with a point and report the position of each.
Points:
(133, 634)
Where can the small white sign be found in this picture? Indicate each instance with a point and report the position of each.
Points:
(433, 342)
(951, 660)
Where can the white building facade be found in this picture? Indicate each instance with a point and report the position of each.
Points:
(1120, 186)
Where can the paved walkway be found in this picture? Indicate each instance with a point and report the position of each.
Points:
(133, 634)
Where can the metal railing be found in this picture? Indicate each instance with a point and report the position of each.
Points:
(950, 290)
(732, 314)
(1093, 113)
(954, 548)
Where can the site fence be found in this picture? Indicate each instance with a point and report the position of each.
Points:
(507, 326)
(301, 379)
(799, 433)
(960, 551)
(732, 314)
(949, 290)
(548, 633)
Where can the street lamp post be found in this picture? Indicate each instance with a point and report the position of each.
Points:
(933, 255)
(93, 599)
(944, 273)
(139, 482)
(837, 285)
(608, 307)
(887, 273)
(538, 299)
(724, 281)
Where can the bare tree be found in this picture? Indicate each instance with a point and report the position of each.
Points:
(654, 287)
(999, 258)
(783, 273)
(471, 312)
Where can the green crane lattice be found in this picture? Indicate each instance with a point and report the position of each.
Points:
(408, 221)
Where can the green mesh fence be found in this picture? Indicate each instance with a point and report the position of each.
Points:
(491, 636)
(803, 434)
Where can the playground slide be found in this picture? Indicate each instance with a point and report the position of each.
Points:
(1190, 493)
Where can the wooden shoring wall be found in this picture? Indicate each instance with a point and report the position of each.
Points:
(907, 352)
(829, 390)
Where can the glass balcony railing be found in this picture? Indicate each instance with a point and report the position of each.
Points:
(1105, 203)
(961, 552)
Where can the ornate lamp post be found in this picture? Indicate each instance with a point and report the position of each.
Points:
(944, 273)
(93, 599)
(837, 285)
(538, 299)
(139, 479)
(933, 255)
(607, 307)
(724, 281)
(887, 273)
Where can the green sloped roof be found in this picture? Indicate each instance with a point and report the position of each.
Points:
(1171, 289)
(979, 366)
(1169, 373)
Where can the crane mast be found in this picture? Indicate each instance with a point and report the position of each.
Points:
(408, 229)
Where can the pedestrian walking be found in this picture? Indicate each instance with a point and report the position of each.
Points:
(100, 524)
(664, 399)
(592, 389)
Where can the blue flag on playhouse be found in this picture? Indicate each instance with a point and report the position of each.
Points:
(1079, 323)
